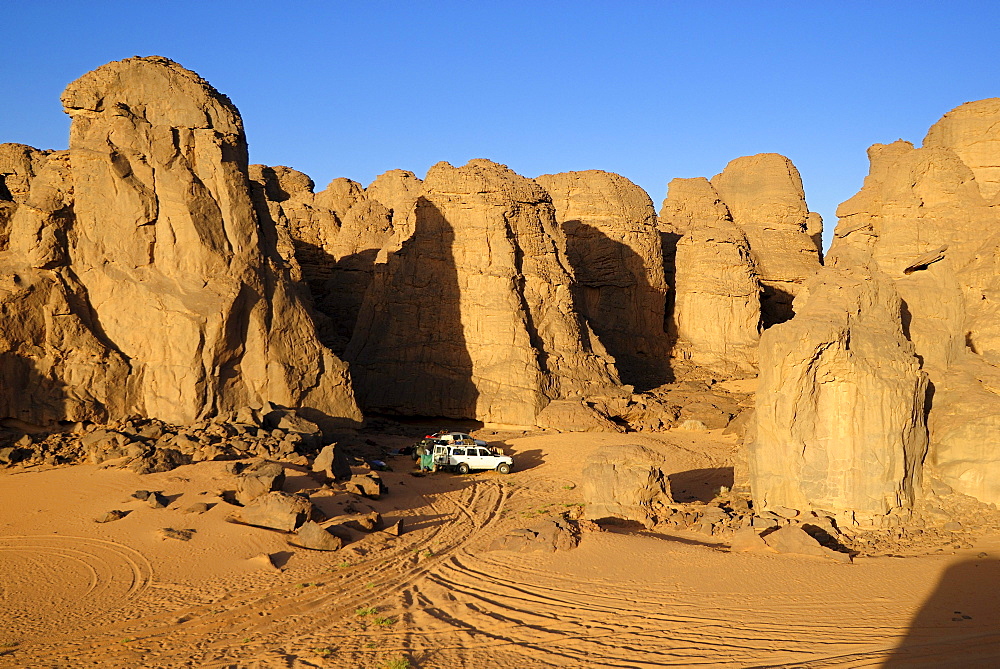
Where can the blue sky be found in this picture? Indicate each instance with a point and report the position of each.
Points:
(651, 90)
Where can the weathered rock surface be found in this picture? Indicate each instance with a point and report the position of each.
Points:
(614, 247)
(716, 313)
(397, 191)
(924, 216)
(765, 197)
(470, 312)
(971, 131)
(259, 478)
(625, 482)
(840, 402)
(277, 510)
(195, 313)
(549, 536)
(312, 535)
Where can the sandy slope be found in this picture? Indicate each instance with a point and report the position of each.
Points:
(76, 593)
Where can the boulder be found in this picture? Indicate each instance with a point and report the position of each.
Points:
(614, 247)
(550, 535)
(259, 479)
(313, 536)
(840, 401)
(792, 539)
(368, 485)
(575, 416)
(277, 510)
(332, 464)
(625, 482)
(470, 311)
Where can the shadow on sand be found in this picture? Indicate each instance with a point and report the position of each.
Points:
(959, 624)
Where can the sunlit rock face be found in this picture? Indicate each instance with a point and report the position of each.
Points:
(470, 313)
(840, 403)
(613, 246)
(765, 198)
(927, 217)
(160, 265)
(716, 309)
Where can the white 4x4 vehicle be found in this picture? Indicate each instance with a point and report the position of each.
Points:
(466, 458)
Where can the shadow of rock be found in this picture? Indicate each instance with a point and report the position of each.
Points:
(959, 624)
(614, 295)
(408, 353)
(524, 460)
(700, 485)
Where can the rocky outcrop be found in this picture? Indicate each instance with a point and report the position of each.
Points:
(626, 483)
(470, 312)
(765, 198)
(141, 282)
(924, 217)
(332, 239)
(716, 311)
(840, 403)
(397, 191)
(613, 245)
(971, 131)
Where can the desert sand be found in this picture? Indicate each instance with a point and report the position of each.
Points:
(121, 594)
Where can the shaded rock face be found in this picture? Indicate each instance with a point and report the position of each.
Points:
(613, 245)
(716, 316)
(840, 403)
(765, 198)
(470, 311)
(924, 216)
(328, 239)
(143, 281)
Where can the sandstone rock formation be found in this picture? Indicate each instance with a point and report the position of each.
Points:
(924, 216)
(470, 312)
(613, 245)
(396, 190)
(140, 279)
(716, 310)
(332, 239)
(626, 482)
(765, 198)
(840, 403)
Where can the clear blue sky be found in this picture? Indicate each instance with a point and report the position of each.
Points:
(651, 90)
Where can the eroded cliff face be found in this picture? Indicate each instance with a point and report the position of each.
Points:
(716, 312)
(613, 246)
(840, 402)
(737, 249)
(470, 313)
(924, 216)
(765, 197)
(144, 246)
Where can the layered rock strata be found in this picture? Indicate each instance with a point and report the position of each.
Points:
(840, 403)
(613, 245)
(143, 282)
(470, 313)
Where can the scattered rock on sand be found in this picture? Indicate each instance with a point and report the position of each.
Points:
(179, 535)
(111, 516)
(792, 539)
(550, 535)
(395, 529)
(368, 485)
(331, 463)
(277, 510)
(257, 479)
(311, 535)
(198, 507)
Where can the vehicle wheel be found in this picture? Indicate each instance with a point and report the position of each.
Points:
(503, 468)
(463, 468)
